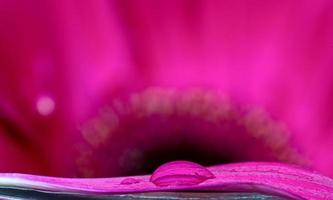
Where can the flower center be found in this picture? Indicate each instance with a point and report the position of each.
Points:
(135, 135)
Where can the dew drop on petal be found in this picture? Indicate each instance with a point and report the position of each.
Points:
(180, 173)
(129, 181)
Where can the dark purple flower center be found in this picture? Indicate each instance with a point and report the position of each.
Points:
(135, 135)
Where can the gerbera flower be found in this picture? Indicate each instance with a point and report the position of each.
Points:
(118, 88)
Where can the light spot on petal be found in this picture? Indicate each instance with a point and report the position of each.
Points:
(45, 105)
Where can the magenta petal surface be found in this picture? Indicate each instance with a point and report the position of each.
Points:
(275, 178)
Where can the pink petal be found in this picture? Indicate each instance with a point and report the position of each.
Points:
(274, 178)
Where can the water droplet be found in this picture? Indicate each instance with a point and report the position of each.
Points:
(129, 181)
(180, 173)
(45, 105)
